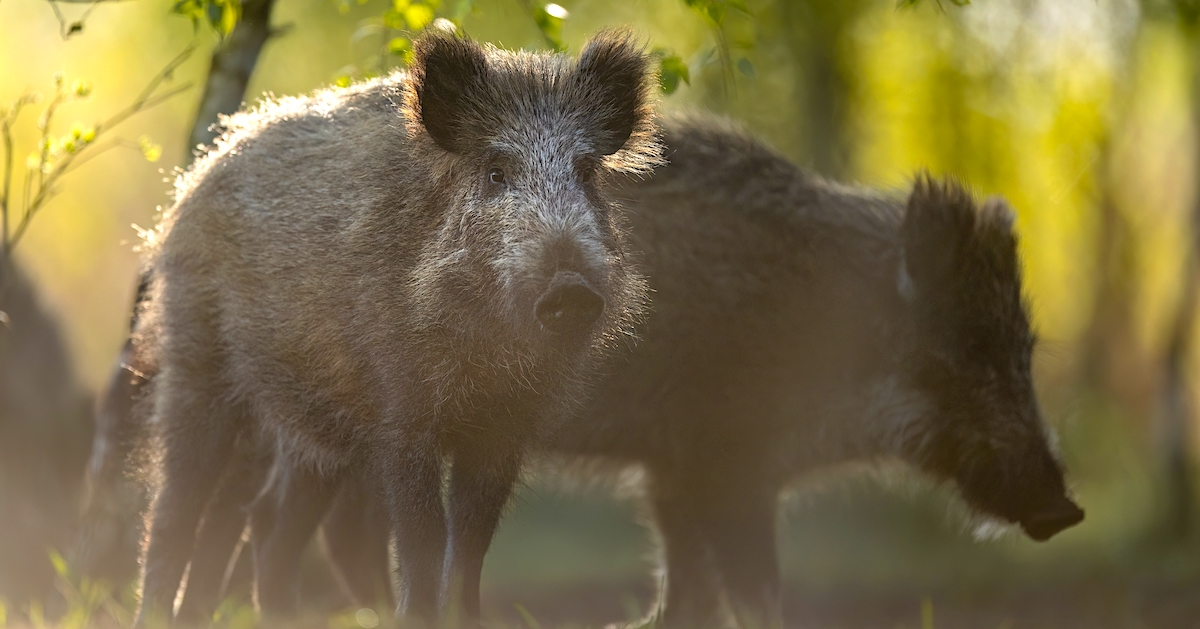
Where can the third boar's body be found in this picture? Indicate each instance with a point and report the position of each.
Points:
(419, 271)
(798, 324)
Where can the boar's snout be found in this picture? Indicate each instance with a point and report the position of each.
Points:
(1046, 523)
(569, 307)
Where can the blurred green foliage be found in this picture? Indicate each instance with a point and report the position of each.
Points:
(220, 15)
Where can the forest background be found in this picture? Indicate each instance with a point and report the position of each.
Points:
(1085, 114)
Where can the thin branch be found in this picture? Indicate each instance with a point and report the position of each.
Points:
(726, 60)
(44, 139)
(6, 132)
(62, 21)
(96, 151)
(46, 187)
(143, 106)
(66, 29)
(145, 100)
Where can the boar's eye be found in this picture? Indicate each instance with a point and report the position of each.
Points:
(496, 176)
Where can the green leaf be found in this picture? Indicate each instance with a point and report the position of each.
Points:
(745, 67)
(399, 46)
(671, 70)
(231, 12)
(549, 19)
(394, 20)
(462, 8)
(418, 16)
(220, 15)
(213, 12)
(192, 9)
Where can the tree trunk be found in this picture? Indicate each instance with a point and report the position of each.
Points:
(815, 30)
(1109, 344)
(232, 64)
(1176, 406)
(1176, 402)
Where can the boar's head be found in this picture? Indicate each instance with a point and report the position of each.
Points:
(525, 144)
(972, 361)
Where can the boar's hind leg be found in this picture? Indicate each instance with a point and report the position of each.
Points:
(412, 477)
(691, 599)
(284, 519)
(481, 483)
(741, 533)
(219, 536)
(355, 538)
(197, 439)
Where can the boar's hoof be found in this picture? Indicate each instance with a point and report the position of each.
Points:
(569, 306)
(1045, 524)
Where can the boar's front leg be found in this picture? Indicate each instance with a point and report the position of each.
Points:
(411, 473)
(481, 483)
(691, 599)
(355, 538)
(740, 527)
(218, 537)
(284, 519)
(198, 437)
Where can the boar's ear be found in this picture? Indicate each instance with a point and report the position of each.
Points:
(939, 226)
(448, 74)
(613, 77)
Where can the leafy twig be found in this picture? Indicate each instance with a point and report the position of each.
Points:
(67, 29)
(47, 172)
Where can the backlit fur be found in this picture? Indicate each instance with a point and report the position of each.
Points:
(343, 278)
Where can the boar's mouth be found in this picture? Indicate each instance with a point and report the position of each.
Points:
(1047, 523)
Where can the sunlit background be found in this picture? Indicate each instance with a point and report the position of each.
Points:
(1083, 113)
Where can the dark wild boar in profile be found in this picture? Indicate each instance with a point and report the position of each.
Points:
(418, 271)
(798, 324)
(44, 433)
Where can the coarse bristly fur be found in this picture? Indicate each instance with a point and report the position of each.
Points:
(418, 270)
(799, 325)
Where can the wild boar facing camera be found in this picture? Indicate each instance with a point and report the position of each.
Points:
(420, 270)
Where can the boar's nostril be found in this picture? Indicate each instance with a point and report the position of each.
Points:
(569, 306)
(1045, 524)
